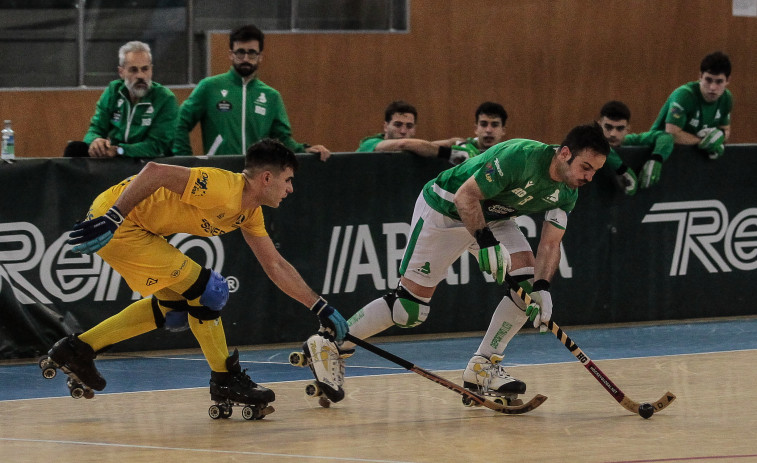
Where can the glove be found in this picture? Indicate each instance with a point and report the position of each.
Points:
(717, 152)
(331, 319)
(627, 180)
(91, 235)
(458, 155)
(493, 258)
(650, 172)
(712, 141)
(539, 310)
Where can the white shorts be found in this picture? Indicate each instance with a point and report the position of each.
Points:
(437, 241)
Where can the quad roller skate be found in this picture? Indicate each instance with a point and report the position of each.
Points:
(488, 378)
(75, 358)
(326, 362)
(235, 387)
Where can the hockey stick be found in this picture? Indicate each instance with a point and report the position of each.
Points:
(506, 409)
(643, 409)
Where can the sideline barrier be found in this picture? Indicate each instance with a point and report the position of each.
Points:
(686, 248)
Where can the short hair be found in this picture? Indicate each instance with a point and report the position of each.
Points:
(716, 63)
(586, 136)
(492, 109)
(400, 107)
(269, 153)
(245, 34)
(130, 47)
(615, 111)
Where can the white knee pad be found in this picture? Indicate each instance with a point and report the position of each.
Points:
(525, 277)
(407, 309)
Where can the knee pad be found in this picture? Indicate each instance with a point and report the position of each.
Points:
(216, 292)
(407, 310)
(175, 319)
(525, 278)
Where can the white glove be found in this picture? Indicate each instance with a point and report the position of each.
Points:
(712, 139)
(493, 258)
(458, 155)
(540, 309)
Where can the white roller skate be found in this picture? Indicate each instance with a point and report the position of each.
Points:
(236, 388)
(322, 355)
(488, 378)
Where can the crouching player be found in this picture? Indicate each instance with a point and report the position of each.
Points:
(126, 225)
(472, 207)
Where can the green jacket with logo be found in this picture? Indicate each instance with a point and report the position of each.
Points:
(233, 116)
(144, 129)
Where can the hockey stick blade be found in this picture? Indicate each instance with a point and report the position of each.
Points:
(506, 409)
(630, 405)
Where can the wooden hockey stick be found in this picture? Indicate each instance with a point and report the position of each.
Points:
(627, 403)
(501, 408)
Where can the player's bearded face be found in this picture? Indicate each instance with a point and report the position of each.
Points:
(245, 68)
(580, 169)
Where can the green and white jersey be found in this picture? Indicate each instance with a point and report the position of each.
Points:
(514, 178)
(686, 108)
(470, 143)
(368, 144)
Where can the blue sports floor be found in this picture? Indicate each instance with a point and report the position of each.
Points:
(140, 372)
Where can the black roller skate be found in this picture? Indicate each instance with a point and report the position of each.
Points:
(75, 358)
(236, 388)
(485, 376)
(326, 362)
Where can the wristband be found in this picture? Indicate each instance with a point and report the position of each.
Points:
(540, 285)
(485, 238)
(319, 305)
(444, 152)
(115, 215)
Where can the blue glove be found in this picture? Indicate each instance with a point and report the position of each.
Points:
(331, 319)
(91, 235)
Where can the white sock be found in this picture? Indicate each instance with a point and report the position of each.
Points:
(507, 320)
(374, 318)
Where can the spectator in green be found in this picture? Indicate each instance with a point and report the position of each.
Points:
(236, 109)
(399, 135)
(135, 116)
(489, 130)
(699, 113)
(614, 118)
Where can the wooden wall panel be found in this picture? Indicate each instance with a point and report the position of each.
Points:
(552, 64)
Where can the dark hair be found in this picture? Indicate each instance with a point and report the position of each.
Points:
(615, 111)
(270, 153)
(492, 109)
(716, 63)
(586, 136)
(400, 107)
(245, 34)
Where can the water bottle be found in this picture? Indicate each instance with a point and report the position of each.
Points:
(9, 142)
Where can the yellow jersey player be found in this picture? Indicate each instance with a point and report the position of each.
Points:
(126, 225)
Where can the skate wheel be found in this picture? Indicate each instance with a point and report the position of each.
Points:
(214, 411)
(49, 372)
(324, 402)
(297, 359)
(77, 392)
(250, 412)
(312, 390)
(500, 401)
(89, 394)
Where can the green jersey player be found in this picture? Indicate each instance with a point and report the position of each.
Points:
(472, 207)
(614, 118)
(699, 113)
(490, 128)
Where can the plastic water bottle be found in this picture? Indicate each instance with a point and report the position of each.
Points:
(9, 142)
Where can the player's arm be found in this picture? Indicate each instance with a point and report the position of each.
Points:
(681, 137)
(548, 252)
(493, 258)
(726, 130)
(288, 279)
(91, 235)
(416, 145)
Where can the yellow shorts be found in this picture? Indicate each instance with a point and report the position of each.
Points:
(145, 260)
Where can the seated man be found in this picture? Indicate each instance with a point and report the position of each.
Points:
(399, 133)
(489, 130)
(614, 118)
(699, 113)
(134, 117)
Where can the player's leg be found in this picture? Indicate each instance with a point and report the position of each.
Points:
(484, 371)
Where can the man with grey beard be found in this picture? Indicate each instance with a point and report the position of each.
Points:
(135, 116)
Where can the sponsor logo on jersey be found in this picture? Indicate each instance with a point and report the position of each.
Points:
(426, 269)
(150, 110)
(224, 92)
(498, 209)
(240, 220)
(261, 99)
(146, 121)
(528, 184)
(116, 116)
(120, 102)
(499, 169)
(201, 185)
(489, 169)
(211, 229)
(177, 272)
(224, 106)
(260, 110)
(150, 281)
(717, 114)
(553, 198)
(677, 111)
